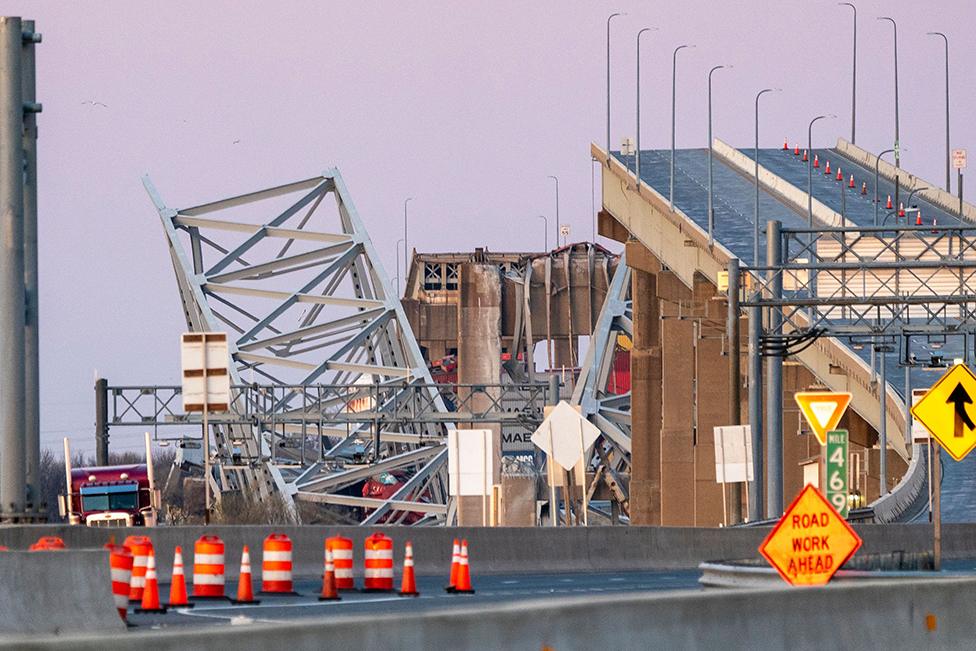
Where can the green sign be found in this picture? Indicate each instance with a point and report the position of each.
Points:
(837, 470)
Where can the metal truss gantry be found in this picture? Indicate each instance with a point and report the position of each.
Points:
(291, 274)
(609, 411)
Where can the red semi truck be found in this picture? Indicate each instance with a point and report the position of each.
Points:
(109, 496)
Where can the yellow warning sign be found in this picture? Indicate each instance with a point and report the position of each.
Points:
(946, 410)
(823, 410)
(810, 542)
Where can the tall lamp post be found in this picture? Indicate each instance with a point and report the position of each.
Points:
(894, 26)
(556, 179)
(948, 152)
(755, 232)
(877, 198)
(810, 166)
(711, 212)
(637, 165)
(399, 242)
(609, 18)
(853, 71)
(405, 255)
(674, 72)
(546, 226)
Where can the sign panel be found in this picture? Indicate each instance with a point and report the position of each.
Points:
(946, 411)
(471, 466)
(206, 382)
(565, 435)
(822, 410)
(837, 470)
(733, 454)
(810, 542)
(564, 230)
(959, 158)
(919, 433)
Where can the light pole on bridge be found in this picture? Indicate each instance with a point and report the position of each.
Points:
(609, 18)
(755, 233)
(877, 198)
(637, 154)
(711, 212)
(894, 26)
(810, 166)
(948, 152)
(853, 71)
(674, 72)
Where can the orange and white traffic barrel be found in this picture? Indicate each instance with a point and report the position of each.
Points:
(276, 565)
(208, 568)
(341, 549)
(120, 562)
(378, 563)
(139, 546)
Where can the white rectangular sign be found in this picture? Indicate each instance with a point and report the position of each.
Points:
(471, 465)
(959, 158)
(733, 454)
(919, 433)
(206, 380)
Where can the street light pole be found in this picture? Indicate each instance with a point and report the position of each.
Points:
(948, 153)
(637, 165)
(556, 179)
(810, 167)
(398, 268)
(674, 71)
(711, 212)
(755, 233)
(609, 18)
(545, 223)
(894, 26)
(405, 256)
(877, 198)
(853, 72)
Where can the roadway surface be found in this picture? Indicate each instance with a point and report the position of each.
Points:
(492, 589)
(734, 201)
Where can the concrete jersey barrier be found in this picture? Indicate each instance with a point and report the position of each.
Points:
(876, 614)
(495, 550)
(56, 591)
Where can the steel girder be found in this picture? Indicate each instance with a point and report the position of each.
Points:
(609, 411)
(292, 275)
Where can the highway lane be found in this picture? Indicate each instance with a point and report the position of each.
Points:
(734, 206)
(490, 589)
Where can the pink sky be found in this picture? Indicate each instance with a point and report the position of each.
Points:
(465, 106)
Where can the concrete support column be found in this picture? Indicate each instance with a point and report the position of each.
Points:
(12, 377)
(645, 374)
(479, 357)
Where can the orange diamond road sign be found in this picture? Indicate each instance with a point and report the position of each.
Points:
(823, 410)
(810, 542)
(943, 411)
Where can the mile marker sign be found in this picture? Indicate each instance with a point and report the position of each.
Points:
(810, 542)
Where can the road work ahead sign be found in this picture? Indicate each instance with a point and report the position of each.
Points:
(823, 410)
(948, 412)
(810, 542)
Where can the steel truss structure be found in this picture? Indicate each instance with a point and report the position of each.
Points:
(608, 410)
(238, 262)
(849, 282)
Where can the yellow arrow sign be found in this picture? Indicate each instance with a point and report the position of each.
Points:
(946, 410)
(823, 410)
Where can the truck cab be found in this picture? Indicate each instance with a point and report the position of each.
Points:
(110, 496)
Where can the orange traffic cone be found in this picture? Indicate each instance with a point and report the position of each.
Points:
(816, 160)
(851, 184)
(463, 585)
(455, 565)
(245, 591)
(150, 594)
(918, 219)
(864, 188)
(177, 586)
(786, 144)
(805, 157)
(840, 176)
(408, 586)
(901, 210)
(888, 205)
(827, 169)
(796, 149)
(329, 590)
